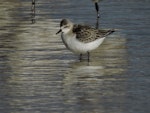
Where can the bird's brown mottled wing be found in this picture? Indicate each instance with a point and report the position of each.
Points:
(88, 34)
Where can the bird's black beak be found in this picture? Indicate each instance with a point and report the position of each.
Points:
(59, 31)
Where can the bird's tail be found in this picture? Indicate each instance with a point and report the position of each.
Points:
(106, 32)
(109, 32)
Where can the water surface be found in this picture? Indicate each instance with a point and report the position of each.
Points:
(39, 75)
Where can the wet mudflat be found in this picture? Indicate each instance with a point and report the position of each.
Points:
(39, 75)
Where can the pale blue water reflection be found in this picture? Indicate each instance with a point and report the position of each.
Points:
(39, 75)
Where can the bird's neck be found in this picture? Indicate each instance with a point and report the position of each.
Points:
(70, 33)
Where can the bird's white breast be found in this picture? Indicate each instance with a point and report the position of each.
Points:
(79, 47)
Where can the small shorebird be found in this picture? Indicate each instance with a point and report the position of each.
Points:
(97, 7)
(81, 39)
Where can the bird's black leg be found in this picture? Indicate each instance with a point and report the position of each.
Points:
(80, 57)
(97, 9)
(97, 23)
(88, 53)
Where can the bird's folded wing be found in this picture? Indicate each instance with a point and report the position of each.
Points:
(88, 34)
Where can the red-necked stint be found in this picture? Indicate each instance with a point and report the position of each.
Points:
(81, 39)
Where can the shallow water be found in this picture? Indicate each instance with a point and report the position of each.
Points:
(39, 75)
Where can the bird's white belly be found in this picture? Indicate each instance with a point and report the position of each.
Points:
(79, 47)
